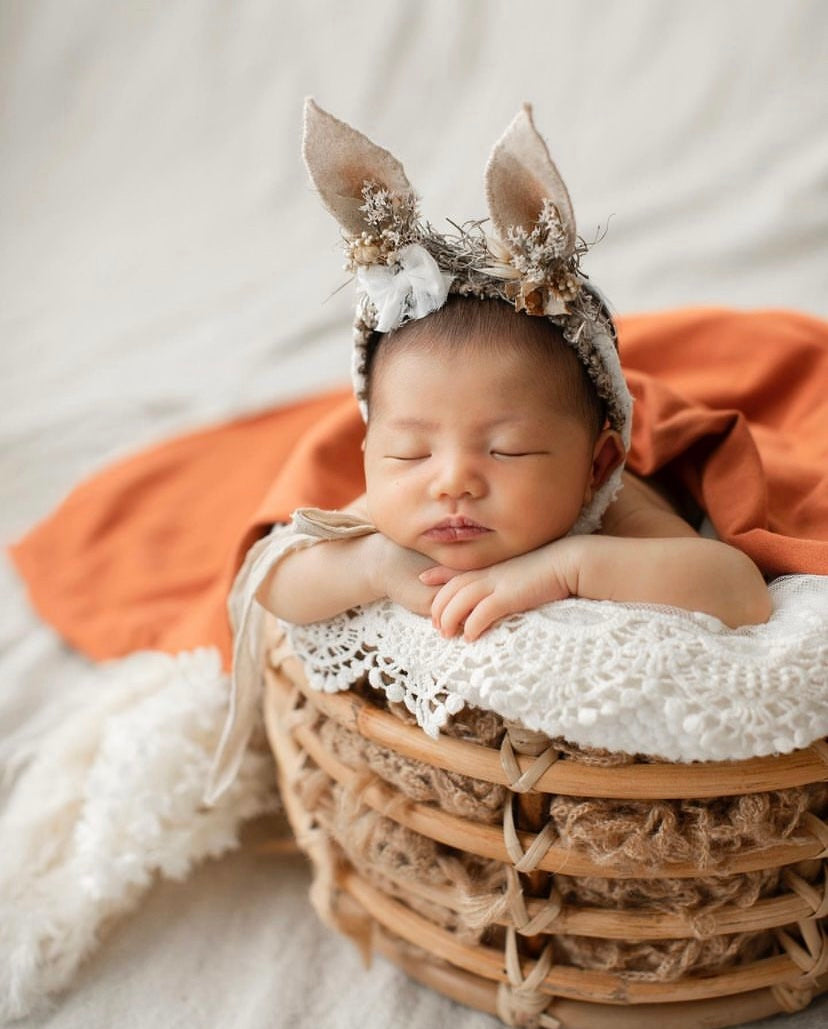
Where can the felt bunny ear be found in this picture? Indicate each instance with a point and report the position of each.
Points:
(520, 175)
(339, 160)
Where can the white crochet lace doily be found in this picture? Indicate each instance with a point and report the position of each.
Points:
(635, 678)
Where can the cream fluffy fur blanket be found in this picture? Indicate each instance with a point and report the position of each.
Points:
(106, 800)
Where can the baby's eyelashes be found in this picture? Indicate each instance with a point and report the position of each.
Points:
(518, 453)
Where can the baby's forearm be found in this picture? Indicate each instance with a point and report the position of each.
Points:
(692, 573)
(322, 580)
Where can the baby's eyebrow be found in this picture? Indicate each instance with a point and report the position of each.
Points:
(412, 423)
(415, 422)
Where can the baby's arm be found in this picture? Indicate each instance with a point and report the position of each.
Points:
(333, 576)
(659, 559)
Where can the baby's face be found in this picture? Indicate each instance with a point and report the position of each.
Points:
(467, 458)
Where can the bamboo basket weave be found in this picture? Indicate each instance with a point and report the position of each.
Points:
(485, 897)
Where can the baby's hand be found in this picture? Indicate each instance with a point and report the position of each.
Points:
(474, 601)
(398, 573)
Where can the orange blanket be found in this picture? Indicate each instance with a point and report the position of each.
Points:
(734, 406)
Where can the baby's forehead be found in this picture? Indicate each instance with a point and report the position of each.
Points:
(401, 362)
(476, 349)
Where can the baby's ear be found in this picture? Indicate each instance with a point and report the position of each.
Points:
(520, 176)
(607, 454)
(340, 160)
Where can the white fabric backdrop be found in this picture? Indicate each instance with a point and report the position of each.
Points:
(163, 263)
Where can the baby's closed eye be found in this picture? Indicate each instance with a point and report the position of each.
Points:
(499, 452)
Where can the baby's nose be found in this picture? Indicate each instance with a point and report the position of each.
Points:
(459, 475)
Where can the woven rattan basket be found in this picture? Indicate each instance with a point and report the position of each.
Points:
(460, 859)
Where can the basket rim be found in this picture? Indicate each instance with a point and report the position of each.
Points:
(657, 780)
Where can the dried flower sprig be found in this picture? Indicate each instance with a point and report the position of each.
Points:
(393, 218)
(537, 270)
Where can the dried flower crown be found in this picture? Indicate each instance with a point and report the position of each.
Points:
(405, 269)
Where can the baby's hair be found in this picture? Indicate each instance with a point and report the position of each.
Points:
(463, 319)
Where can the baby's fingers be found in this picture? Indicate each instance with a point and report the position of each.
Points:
(449, 615)
(445, 594)
(438, 575)
(485, 614)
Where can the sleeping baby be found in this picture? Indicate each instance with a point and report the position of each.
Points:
(485, 441)
(497, 417)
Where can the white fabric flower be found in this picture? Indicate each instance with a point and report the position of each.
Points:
(411, 288)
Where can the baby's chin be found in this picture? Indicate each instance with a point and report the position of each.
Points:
(469, 556)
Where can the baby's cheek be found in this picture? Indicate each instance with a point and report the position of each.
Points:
(387, 516)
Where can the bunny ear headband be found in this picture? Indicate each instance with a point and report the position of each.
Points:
(405, 270)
